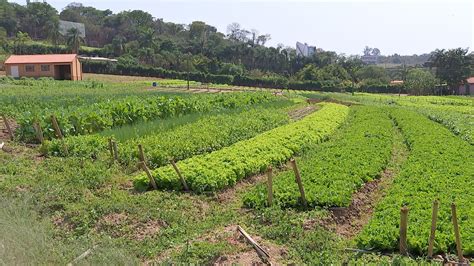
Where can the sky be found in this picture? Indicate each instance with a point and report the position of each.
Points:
(345, 26)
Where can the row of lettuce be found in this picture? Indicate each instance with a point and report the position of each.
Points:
(333, 171)
(455, 113)
(224, 167)
(439, 167)
(207, 133)
(88, 119)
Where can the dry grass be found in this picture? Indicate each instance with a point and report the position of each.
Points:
(116, 78)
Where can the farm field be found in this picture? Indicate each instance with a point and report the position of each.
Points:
(360, 157)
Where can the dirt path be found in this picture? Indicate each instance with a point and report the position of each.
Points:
(349, 221)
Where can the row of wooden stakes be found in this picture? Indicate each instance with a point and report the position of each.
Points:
(142, 164)
(403, 245)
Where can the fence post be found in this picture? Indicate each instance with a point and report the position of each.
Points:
(148, 173)
(456, 233)
(434, 217)
(39, 131)
(183, 181)
(111, 149)
(270, 185)
(9, 129)
(141, 155)
(115, 149)
(403, 230)
(56, 128)
(298, 180)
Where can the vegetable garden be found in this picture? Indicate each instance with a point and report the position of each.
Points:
(212, 161)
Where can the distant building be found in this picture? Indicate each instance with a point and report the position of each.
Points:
(370, 59)
(57, 66)
(65, 26)
(468, 87)
(303, 49)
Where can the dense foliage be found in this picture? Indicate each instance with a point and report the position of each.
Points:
(332, 171)
(225, 167)
(80, 120)
(149, 46)
(207, 134)
(438, 167)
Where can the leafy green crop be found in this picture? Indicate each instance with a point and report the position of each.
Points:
(87, 119)
(435, 169)
(225, 167)
(207, 134)
(332, 171)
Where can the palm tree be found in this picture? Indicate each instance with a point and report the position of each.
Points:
(74, 40)
(20, 40)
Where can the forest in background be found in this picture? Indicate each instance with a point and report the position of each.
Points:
(145, 45)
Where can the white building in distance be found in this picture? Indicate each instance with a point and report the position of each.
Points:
(65, 26)
(303, 49)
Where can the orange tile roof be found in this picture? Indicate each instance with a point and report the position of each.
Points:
(42, 58)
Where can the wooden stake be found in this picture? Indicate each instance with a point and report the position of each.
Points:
(56, 128)
(254, 243)
(39, 132)
(148, 173)
(298, 180)
(270, 185)
(9, 129)
(183, 181)
(456, 233)
(111, 149)
(434, 217)
(141, 155)
(115, 148)
(403, 230)
(83, 255)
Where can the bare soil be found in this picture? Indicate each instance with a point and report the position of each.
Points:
(301, 113)
(249, 256)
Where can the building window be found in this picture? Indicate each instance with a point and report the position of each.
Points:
(30, 68)
(45, 68)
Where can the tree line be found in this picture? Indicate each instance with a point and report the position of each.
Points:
(136, 38)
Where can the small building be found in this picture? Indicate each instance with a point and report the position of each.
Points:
(468, 87)
(57, 66)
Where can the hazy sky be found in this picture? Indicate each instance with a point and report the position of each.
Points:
(344, 26)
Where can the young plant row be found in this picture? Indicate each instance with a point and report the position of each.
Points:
(439, 167)
(223, 168)
(206, 134)
(459, 123)
(332, 171)
(87, 119)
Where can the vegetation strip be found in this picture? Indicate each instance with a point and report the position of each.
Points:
(206, 134)
(434, 170)
(225, 167)
(113, 113)
(334, 170)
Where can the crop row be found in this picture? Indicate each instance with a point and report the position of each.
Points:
(87, 119)
(439, 167)
(332, 171)
(209, 133)
(225, 167)
(459, 123)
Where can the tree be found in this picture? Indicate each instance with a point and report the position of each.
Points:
(420, 81)
(74, 40)
(452, 66)
(19, 42)
(374, 74)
